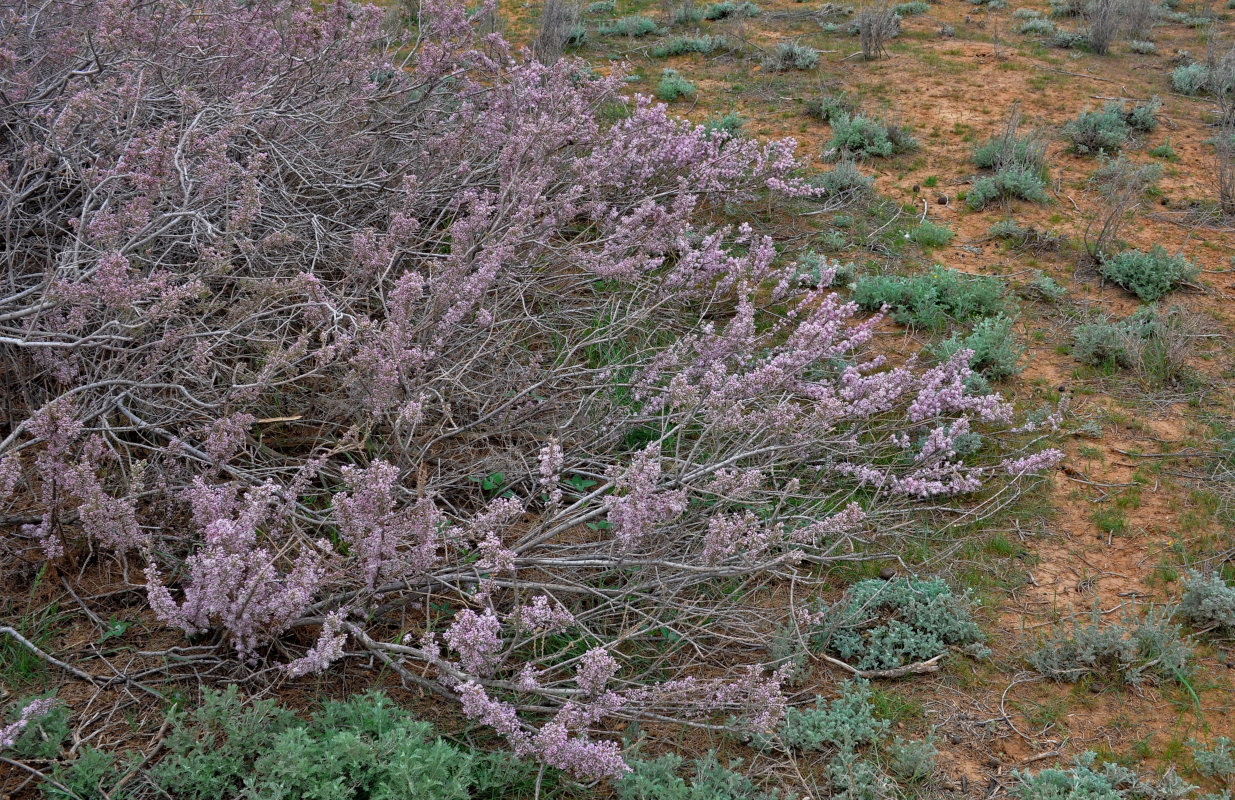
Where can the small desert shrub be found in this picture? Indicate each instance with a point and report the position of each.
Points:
(875, 26)
(829, 106)
(672, 86)
(1011, 150)
(1149, 276)
(1025, 183)
(1190, 79)
(1143, 117)
(43, 734)
(844, 723)
(660, 779)
(559, 27)
(1133, 651)
(791, 55)
(860, 137)
(1143, 47)
(600, 7)
(931, 300)
(911, 760)
(1098, 131)
(1153, 344)
(681, 45)
(1022, 237)
(1043, 287)
(1216, 761)
(686, 14)
(1208, 602)
(817, 271)
(928, 235)
(729, 124)
(911, 9)
(888, 624)
(1067, 40)
(1139, 17)
(633, 26)
(729, 10)
(1026, 13)
(1078, 782)
(1067, 8)
(996, 355)
(1224, 168)
(1164, 151)
(843, 179)
(1037, 27)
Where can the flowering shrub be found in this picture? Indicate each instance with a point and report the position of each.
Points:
(315, 321)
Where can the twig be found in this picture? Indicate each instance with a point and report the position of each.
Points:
(920, 668)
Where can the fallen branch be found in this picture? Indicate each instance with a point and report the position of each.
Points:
(920, 668)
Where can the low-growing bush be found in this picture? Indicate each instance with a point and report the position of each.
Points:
(1043, 287)
(730, 10)
(928, 234)
(1151, 275)
(673, 85)
(817, 271)
(1036, 27)
(1164, 151)
(601, 7)
(1078, 782)
(1067, 40)
(889, 624)
(1214, 761)
(681, 45)
(1102, 19)
(1025, 183)
(996, 356)
(633, 26)
(661, 779)
(1154, 344)
(1067, 8)
(729, 124)
(1142, 47)
(790, 55)
(861, 137)
(1190, 79)
(931, 300)
(912, 8)
(1025, 237)
(1098, 131)
(1026, 13)
(875, 26)
(844, 180)
(1133, 651)
(1122, 186)
(686, 14)
(1208, 602)
(844, 723)
(829, 106)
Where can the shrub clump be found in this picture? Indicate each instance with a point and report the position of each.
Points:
(860, 136)
(1153, 344)
(730, 10)
(673, 85)
(996, 355)
(633, 26)
(931, 300)
(928, 234)
(660, 779)
(790, 55)
(1133, 652)
(1208, 602)
(829, 106)
(681, 45)
(1025, 237)
(888, 624)
(1151, 275)
(1037, 27)
(845, 722)
(1190, 79)
(1025, 183)
(912, 8)
(844, 180)
(1111, 127)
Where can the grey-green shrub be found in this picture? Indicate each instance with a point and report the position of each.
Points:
(1154, 344)
(931, 300)
(1216, 761)
(860, 136)
(681, 45)
(1021, 182)
(829, 106)
(843, 179)
(672, 86)
(888, 624)
(1024, 237)
(1149, 276)
(1208, 602)
(1098, 131)
(1043, 287)
(845, 722)
(928, 234)
(1005, 151)
(814, 268)
(912, 8)
(661, 779)
(600, 7)
(790, 55)
(632, 26)
(911, 760)
(1036, 27)
(996, 355)
(729, 124)
(1133, 651)
(1078, 782)
(1143, 47)
(728, 9)
(1190, 79)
